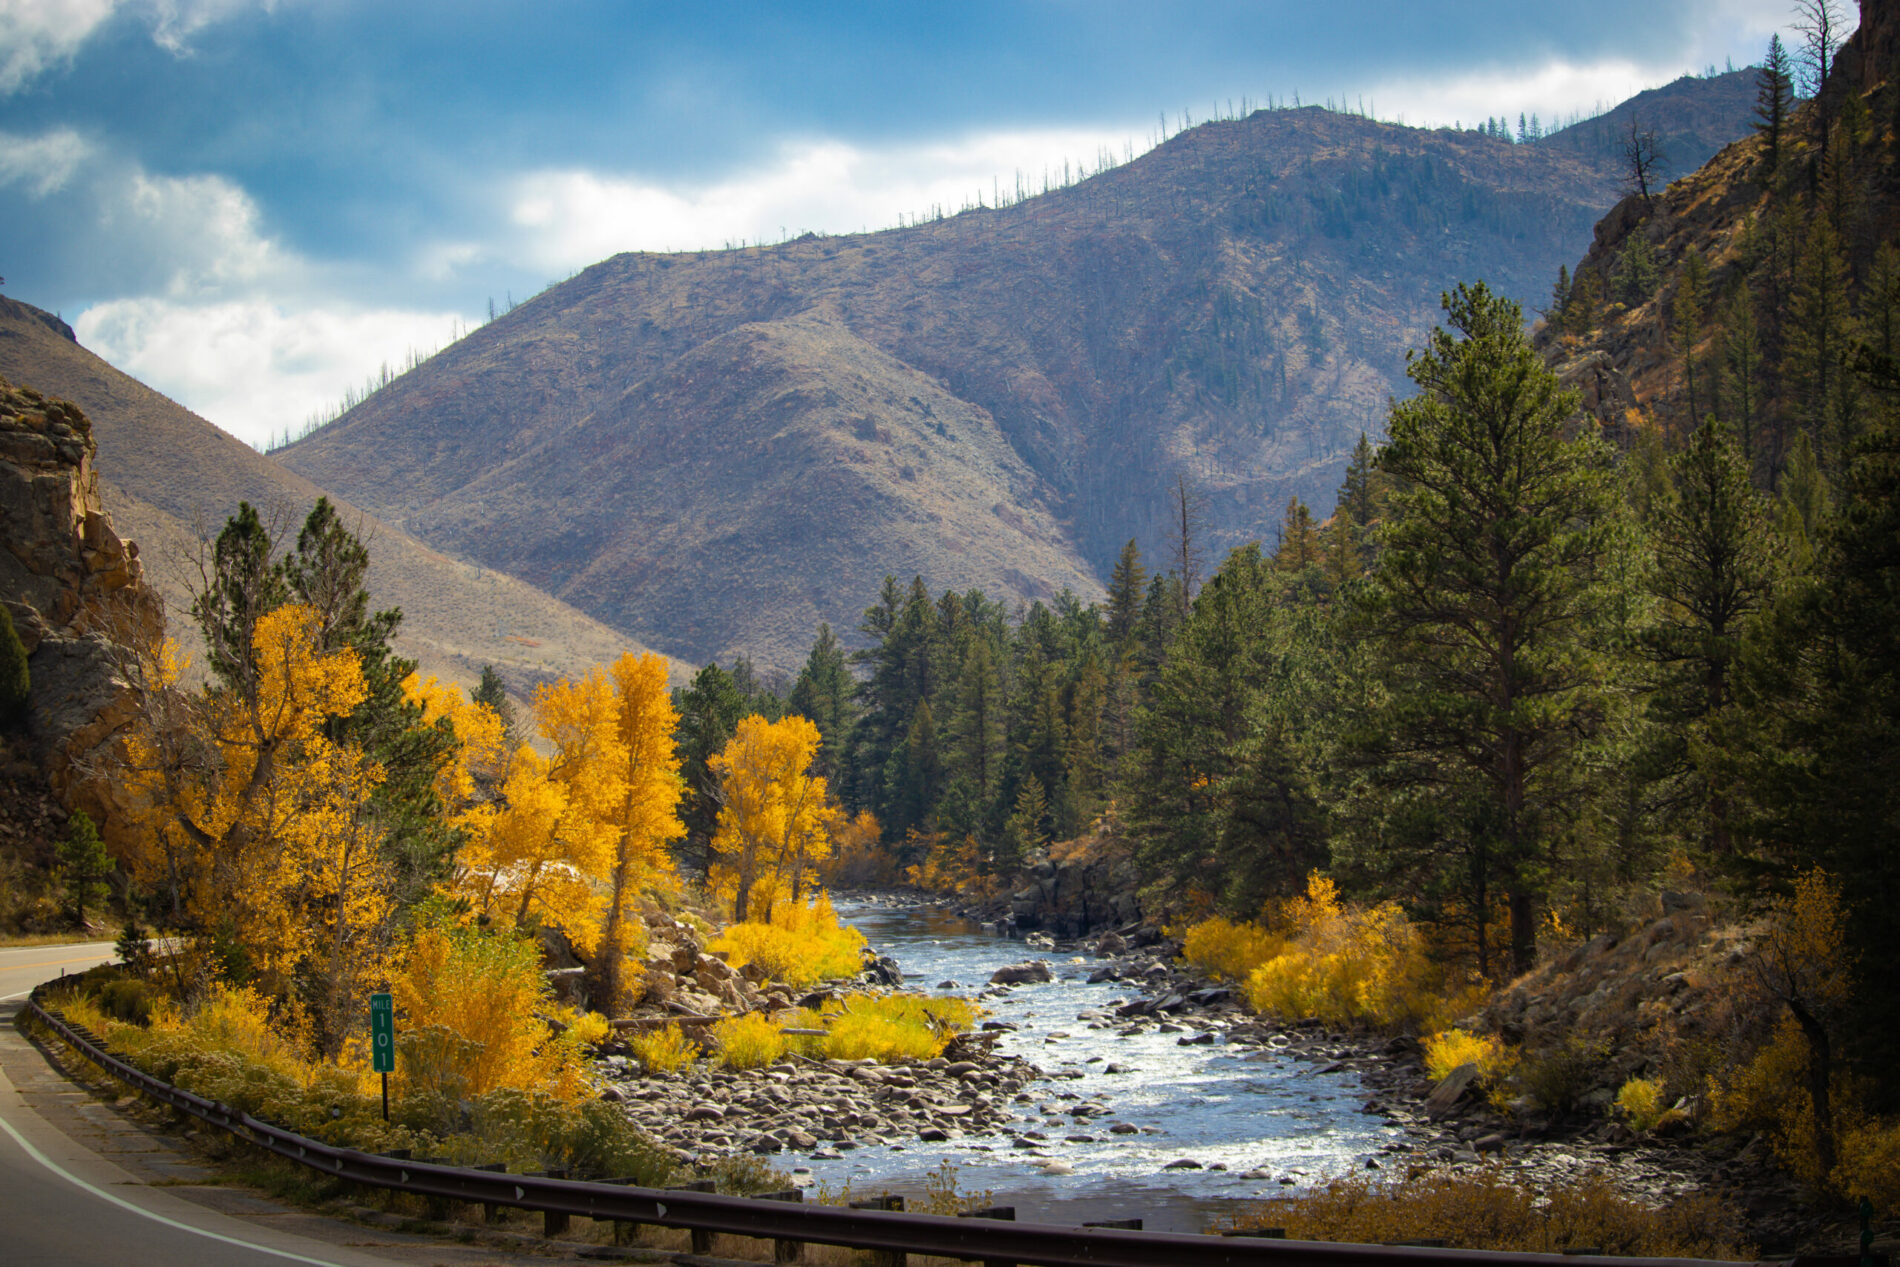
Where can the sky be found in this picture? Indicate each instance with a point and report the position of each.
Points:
(253, 206)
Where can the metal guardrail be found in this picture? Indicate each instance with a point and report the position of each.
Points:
(989, 1240)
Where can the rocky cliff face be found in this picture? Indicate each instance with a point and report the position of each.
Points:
(74, 588)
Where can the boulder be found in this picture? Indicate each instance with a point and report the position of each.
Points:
(1030, 971)
(1450, 1091)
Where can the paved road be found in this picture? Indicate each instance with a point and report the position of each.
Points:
(23, 967)
(64, 1201)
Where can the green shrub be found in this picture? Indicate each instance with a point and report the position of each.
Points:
(1558, 1077)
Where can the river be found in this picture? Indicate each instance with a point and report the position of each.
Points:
(1252, 1118)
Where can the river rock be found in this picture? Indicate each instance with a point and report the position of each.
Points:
(1448, 1092)
(1030, 971)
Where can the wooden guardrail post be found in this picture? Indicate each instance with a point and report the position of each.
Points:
(491, 1212)
(1005, 1212)
(784, 1251)
(701, 1238)
(884, 1257)
(553, 1222)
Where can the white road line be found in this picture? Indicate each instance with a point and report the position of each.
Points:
(103, 1195)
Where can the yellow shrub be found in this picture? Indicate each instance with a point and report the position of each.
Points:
(1448, 1049)
(1641, 1100)
(1488, 1211)
(801, 946)
(590, 1029)
(664, 1050)
(747, 1042)
(893, 1027)
(1228, 950)
(1346, 964)
(468, 1016)
(1870, 1165)
(1770, 1094)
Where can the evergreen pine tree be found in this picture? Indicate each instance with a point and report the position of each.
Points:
(1774, 100)
(1480, 611)
(84, 866)
(1713, 572)
(709, 711)
(823, 693)
(492, 694)
(1125, 586)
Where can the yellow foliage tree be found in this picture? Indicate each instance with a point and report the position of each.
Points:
(539, 854)
(612, 734)
(480, 755)
(256, 823)
(775, 821)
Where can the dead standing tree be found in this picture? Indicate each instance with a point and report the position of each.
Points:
(1643, 159)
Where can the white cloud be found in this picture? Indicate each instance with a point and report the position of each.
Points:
(174, 22)
(38, 34)
(42, 164)
(570, 218)
(255, 367)
(1555, 90)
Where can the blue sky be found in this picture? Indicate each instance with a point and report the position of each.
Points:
(251, 206)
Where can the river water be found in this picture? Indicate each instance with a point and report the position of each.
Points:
(1251, 1117)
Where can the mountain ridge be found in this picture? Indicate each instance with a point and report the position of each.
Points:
(1230, 311)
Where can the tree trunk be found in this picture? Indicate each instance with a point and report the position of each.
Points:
(1820, 1069)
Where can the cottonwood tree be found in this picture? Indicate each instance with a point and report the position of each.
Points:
(775, 816)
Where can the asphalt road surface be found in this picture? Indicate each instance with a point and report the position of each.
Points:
(23, 967)
(65, 1200)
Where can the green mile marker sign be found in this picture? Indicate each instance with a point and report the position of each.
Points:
(382, 1033)
(382, 1041)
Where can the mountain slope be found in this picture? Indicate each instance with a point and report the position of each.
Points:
(1230, 310)
(166, 473)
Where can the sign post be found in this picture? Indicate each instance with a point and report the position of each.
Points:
(382, 1041)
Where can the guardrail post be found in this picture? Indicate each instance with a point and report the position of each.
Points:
(702, 1239)
(1007, 1212)
(784, 1251)
(884, 1257)
(491, 1211)
(553, 1222)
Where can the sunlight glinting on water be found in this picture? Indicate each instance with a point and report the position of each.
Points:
(1262, 1115)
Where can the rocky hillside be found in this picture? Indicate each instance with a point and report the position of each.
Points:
(76, 594)
(715, 451)
(166, 473)
(1796, 238)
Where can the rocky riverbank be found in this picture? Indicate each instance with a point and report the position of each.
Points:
(804, 1113)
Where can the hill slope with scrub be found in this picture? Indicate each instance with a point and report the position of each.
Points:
(168, 477)
(716, 451)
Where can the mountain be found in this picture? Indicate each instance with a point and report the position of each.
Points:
(164, 472)
(718, 450)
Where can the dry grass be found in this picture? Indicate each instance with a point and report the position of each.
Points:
(1486, 1210)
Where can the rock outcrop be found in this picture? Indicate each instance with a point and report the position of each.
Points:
(75, 590)
(1081, 887)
